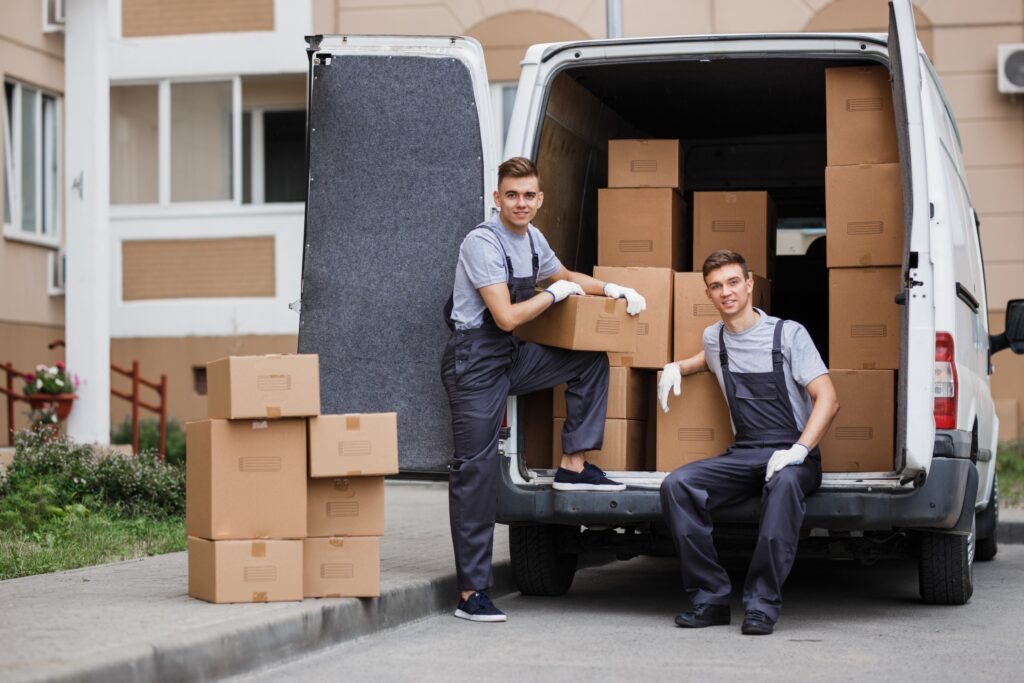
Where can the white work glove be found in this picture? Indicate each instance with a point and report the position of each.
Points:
(635, 302)
(794, 455)
(671, 378)
(563, 288)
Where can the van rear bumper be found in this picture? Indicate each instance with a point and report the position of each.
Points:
(936, 504)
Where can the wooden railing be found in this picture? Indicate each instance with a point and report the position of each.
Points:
(11, 395)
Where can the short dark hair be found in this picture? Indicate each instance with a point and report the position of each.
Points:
(724, 257)
(517, 167)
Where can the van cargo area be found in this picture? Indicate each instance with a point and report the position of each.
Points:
(743, 124)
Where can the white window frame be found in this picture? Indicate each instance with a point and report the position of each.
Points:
(46, 233)
(164, 150)
(257, 153)
(53, 16)
(498, 89)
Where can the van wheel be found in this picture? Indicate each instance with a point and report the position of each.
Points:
(988, 547)
(538, 565)
(946, 567)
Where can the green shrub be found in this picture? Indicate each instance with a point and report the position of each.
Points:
(1010, 468)
(149, 437)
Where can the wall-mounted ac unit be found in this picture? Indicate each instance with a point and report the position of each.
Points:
(1011, 67)
(56, 266)
(53, 16)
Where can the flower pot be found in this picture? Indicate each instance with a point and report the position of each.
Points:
(60, 402)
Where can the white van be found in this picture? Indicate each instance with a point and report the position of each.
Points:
(402, 166)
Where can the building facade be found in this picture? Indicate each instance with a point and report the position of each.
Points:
(206, 129)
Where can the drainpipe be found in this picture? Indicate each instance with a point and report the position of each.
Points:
(86, 209)
(614, 9)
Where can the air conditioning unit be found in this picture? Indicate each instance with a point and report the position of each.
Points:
(53, 16)
(1011, 68)
(56, 263)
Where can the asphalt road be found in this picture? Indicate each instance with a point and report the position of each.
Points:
(841, 621)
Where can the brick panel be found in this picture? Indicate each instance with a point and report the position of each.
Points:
(141, 18)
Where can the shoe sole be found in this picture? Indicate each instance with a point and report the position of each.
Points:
(748, 632)
(558, 486)
(683, 624)
(486, 618)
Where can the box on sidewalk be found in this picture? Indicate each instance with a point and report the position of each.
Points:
(627, 395)
(859, 120)
(861, 437)
(697, 425)
(345, 506)
(693, 311)
(644, 163)
(863, 318)
(341, 567)
(641, 227)
(864, 215)
(743, 222)
(622, 451)
(243, 387)
(354, 445)
(244, 571)
(654, 325)
(583, 323)
(246, 479)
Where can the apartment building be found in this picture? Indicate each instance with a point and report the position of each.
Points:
(206, 126)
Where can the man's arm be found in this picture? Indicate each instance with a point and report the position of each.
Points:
(589, 284)
(694, 363)
(507, 315)
(826, 405)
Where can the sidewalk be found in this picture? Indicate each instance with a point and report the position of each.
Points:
(133, 620)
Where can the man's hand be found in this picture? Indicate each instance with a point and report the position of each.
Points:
(794, 455)
(560, 289)
(635, 302)
(671, 378)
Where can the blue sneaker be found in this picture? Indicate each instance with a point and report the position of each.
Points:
(478, 607)
(592, 478)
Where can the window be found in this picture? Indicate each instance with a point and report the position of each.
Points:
(134, 145)
(273, 156)
(30, 163)
(201, 142)
(503, 96)
(199, 379)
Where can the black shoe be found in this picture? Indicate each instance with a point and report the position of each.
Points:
(757, 623)
(478, 607)
(592, 478)
(704, 614)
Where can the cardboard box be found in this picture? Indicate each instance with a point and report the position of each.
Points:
(859, 119)
(644, 163)
(641, 228)
(694, 312)
(1009, 419)
(743, 222)
(246, 479)
(654, 325)
(341, 567)
(583, 323)
(696, 426)
(863, 318)
(345, 506)
(627, 395)
(861, 438)
(535, 417)
(244, 571)
(864, 215)
(355, 445)
(623, 449)
(243, 387)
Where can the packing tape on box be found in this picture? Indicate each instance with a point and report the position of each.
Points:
(342, 485)
(260, 596)
(352, 422)
(259, 549)
(259, 424)
(336, 542)
(273, 411)
(609, 306)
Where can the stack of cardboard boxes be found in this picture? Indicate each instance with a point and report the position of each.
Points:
(865, 235)
(260, 528)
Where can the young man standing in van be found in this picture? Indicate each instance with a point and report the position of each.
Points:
(500, 264)
(782, 402)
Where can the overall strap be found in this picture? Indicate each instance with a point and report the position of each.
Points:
(533, 251)
(508, 261)
(777, 347)
(723, 357)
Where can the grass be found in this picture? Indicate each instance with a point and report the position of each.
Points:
(1010, 468)
(82, 541)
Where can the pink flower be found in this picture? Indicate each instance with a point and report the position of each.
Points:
(30, 378)
(40, 368)
(76, 380)
(60, 365)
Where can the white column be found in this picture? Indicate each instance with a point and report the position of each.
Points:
(87, 225)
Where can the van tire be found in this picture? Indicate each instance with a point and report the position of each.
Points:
(945, 568)
(538, 564)
(989, 546)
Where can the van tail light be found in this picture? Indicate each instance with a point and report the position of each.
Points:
(945, 382)
(504, 417)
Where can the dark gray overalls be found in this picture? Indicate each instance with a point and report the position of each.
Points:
(763, 417)
(480, 369)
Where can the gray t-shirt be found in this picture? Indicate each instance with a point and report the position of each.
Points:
(751, 351)
(482, 263)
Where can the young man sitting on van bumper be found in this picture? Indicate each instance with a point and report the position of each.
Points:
(782, 402)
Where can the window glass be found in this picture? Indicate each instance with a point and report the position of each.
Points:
(284, 156)
(8, 150)
(201, 146)
(48, 158)
(134, 145)
(29, 163)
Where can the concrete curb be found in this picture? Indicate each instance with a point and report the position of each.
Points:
(1010, 532)
(232, 648)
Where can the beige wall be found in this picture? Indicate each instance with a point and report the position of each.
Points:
(177, 17)
(24, 346)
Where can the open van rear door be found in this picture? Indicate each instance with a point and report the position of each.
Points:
(915, 420)
(401, 167)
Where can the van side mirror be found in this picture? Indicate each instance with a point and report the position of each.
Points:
(1013, 337)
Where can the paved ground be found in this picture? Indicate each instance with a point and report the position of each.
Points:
(841, 622)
